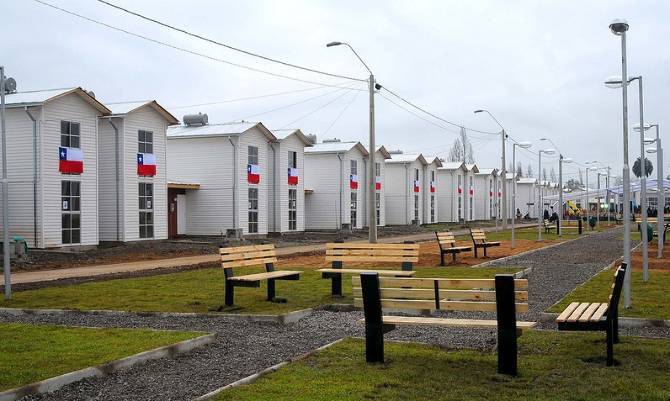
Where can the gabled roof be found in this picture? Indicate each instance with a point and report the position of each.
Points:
(381, 149)
(39, 97)
(434, 159)
(453, 166)
(407, 158)
(488, 171)
(213, 130)
(282, 134)
(336, 147)
(526, 180)
(472, 167)
(121, 109)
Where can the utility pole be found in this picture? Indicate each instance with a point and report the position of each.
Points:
(372, 201)
(7, 266)
(504, 183)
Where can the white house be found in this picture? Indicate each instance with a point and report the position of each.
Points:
(381, 155)
(485, 192)
(132, 188)
(451, 197)
(222, 173)
(404, 188)
(286, 197)
(526, 196)
(52, 166)
(470, 211)
(430, 206)
(335, 185)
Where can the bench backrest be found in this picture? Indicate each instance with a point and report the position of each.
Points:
(405, 254)
(613, 307)
(248, 256)
(441, 293)
(478, 235)
(445, 239)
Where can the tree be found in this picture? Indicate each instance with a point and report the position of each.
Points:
(581, 177)
(529, 170)
(648, 168)
(461, 150)
(519, 170)
(552, 175)
(544, 174)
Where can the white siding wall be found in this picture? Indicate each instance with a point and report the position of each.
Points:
(254, 137)
(327, 177)
(397, 181)
(107, 190)
(427, 195)
(279, 223)
(360, 192)
(483, 196)
(470, 211)
(69, 108)
(446, 199)
(379, 158)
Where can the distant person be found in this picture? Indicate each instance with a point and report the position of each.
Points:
(546, 214)
(518, 214)
(554, 217)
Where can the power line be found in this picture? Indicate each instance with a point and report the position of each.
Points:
(346, 106)
(417, 116)
(198, 36)
(315, 110)
(181, 49)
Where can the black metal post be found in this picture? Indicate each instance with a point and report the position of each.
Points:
(372, 308)
(506, 315)
(229, 289)
(271, 290)
(579, 224)
(336, 279)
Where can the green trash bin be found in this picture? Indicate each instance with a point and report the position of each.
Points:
(650, 233)
(592, 222)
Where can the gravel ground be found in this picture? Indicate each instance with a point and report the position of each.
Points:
(244, 348)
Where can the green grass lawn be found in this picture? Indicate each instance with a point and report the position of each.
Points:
(202, 291)
(649, 300)
(30, 353)
(552, 366)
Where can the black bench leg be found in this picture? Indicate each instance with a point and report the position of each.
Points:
(615, 329)
(486, 256)
(610, 344)
(372, 308)
(507, 332)
(336, 285)
(476, 251)
(441, 258)
(453, 257)
(229, 293)
(271, 290)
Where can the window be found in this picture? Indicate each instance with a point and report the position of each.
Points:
(378, 206)
(354, 208)
(292, 159)
(71, 212)
(378, 169)
(354, 167)
(460, 206)
(252, 155)
(253, 210)
(292, 209)
(470, 208)
(432, 176)
(652, 202)
(416, 207)
(145, 141)
(69, 134)
(491, 214)
(416, 174)
(146, 197)
(432, 208)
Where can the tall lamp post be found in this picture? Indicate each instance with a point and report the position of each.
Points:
(659, 181)
(523, 145)
(619, 27)
(372, 204)
(503, 172)
(539, 191)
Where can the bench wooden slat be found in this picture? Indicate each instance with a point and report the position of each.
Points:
(373, 252)
(599, 313)
(402, 273)
(265, 276)
(567, 312)
(578, 312)
(248, 255)
(452, 295)
(355, 245)
(361, 258)
(586, 316)
(457, 248)
(468, 306)
(389, 282)
(437, 321)
(248, 248)
(250, 262)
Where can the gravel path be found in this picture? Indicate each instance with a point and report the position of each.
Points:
(244, 348)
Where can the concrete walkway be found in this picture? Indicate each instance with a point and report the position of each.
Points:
(129, 267)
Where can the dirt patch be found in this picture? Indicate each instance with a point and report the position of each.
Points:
(654, 263)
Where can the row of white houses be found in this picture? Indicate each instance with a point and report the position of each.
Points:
(82, 172)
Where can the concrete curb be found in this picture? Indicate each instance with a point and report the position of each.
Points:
(625, 322)
(256, 376)
(287, 318)
(523, 273)
(55, 383)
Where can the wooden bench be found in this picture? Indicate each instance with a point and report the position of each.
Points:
(479, 240)
(447, 244)
(665, 230)
(338, 253)
(548, 226)
(503, 295)
(572, 225)
(252, 255)
(585, 316)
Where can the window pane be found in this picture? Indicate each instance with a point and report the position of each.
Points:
(65, 221)
(76, 221)
(75, 188)
(149, 137)
(65, 188)
(140, 136)
(76, 236)
(148, 148)
(75, 204)
(74, 129)
(141, 189)
(74, 142)
(149, 189)
(64, 128)
(143, 231)
(150, 231)
(143, 219)
(66, 239)
(150, 218)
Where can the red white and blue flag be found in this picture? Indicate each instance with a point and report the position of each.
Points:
(146, 164)
(253, 174)
(472, 191)
(292, 176)
(416, 185)
(432, 186)
(353, 181)
(70, 160)
(460, 190)
(378, 183)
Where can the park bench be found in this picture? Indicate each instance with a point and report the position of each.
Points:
(572, 225)
(447, 244)
(665, 230)
(585, 316)
(479, 240)
(503, 295)
(338, 253)
(249, 256)
(548, 226)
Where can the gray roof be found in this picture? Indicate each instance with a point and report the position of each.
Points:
(452, 165)
(488, 171)
(282, 134)
(210, 130)
(433, 159)
(526, 180)
(407, 158)
(39, 97)
(121, 109)
(336, 147)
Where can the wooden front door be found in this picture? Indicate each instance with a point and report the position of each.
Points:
(172, 213)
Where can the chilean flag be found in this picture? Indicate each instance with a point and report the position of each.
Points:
(253, 174)
(416, 186)
(490, 194)
(70, 160)
(292, 176)
(472, 191)
(460, 190)
(432, 186)
(353, 181)
(499, 194)
(378, 183)
(146, 164)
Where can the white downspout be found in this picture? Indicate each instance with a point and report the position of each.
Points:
(406, 193)
(235, 180)
(274, 190)
(339, 156)
(34, 175)
(118, 178)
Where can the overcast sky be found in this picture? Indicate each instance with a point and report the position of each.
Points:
(538, 66)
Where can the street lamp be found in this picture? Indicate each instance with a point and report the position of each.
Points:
(372, 204)
(660, 183)
(523, 145)
(539, 191)
(619, 27)
(503, 172)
